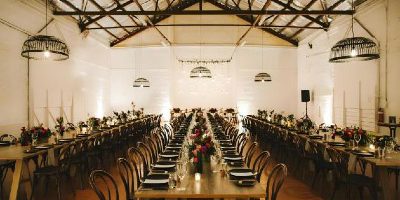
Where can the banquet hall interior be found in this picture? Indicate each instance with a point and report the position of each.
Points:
(199, 99)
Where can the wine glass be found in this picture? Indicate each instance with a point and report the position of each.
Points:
(181, 172)
(357, 138)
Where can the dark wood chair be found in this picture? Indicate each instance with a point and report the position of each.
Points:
(103, 185)
(260, 162)
(56, 171)
(275, 181)
(342, 177)
(127, 173)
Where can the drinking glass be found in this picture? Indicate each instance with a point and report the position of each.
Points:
(34, 138)
(181, 172)
(357, 138)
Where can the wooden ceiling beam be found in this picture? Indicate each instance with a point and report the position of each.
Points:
(249, 19)
(214, 12)
(290, 8)
(182, 5)
(297, 16)
(211, 25)
(73, 7)
(319, 17)
(98, 6)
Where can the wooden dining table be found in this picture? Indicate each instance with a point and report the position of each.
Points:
(211, 185)
(17, 153)
(380, 166)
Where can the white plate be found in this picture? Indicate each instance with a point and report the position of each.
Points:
(169, 156)
(163, 166)
(230, 158)
(242, 174)
(154, 181)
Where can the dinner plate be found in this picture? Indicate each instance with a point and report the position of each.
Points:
(43, 147)
(235, 158)
(164, 166)
(5, 143)
(153, 181)
(228, 148)
(315, 136)
(169, 155)
(338, 144)
(65, 140)
(363, 153)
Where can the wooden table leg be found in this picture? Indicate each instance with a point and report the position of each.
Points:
(16, 179)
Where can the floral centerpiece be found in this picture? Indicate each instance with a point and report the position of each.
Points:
(348, 133)
(290, 121)
(381, 141)
(213, 110)
(202, 146)
(93, 123)
(34, 134)
(304, 125)
(60, 126)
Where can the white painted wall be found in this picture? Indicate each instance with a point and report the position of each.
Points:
(74, 88)
(357, 88)
(232, 84)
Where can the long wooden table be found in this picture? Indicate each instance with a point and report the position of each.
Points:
(211, 185)
(16, 153)
(379, 165)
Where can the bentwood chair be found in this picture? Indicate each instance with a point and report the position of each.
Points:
(104, 185)
(250, 153)
(5, 166)
(342, 177)
(127, 173)
(275, 181)
(261, 161)
(57, 171)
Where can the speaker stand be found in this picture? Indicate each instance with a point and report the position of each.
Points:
(306, 117)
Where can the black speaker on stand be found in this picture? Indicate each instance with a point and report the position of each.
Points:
(305, 97)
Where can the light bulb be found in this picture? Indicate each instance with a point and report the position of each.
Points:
(353, 53)
(46, 53)
(262, 80)
(141, 85)
(200, 75)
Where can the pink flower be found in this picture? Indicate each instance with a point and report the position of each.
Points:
(195, 160)
(203, 149)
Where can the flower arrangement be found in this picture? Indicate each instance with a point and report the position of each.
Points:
(230, 110)
(202, 146)
(213, 110)
(70, 126)
(176, 110)
(60, 126)
(380, 141)
(36, 133)
(93, 123)
(304, 125)
(348, 133)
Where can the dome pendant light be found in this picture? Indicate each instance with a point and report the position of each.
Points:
(140, 82)
(200, 72)
(354, 48)
(262, 77)
(45, 47)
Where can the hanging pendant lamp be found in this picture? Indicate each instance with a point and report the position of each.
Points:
(262, 77)
(200, 72)
(354, 48)
(141, 82)
(45, 47)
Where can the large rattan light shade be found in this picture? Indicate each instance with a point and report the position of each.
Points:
(40, 47)
(354, 49)
(45, 47)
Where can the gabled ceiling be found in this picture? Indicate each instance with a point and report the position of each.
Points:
(283, 21)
